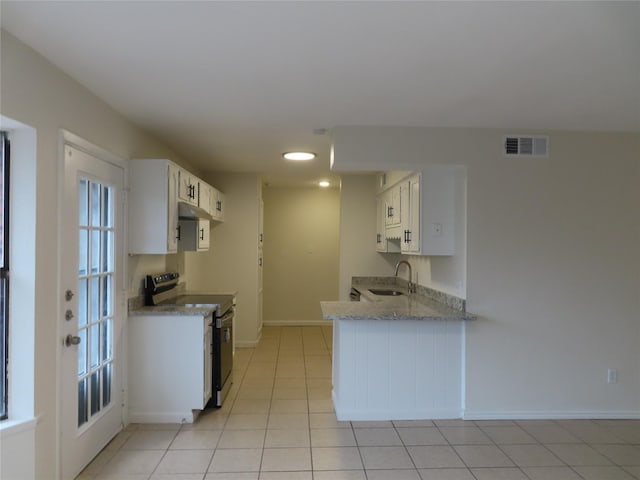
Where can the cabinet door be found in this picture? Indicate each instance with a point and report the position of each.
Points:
(204, 196)
(173, 229)
(153, 206)
(414, 227)
(218, 207)
(381, 239)
(393, 207)
(204, 239)
(188, 188)
(208, 359)
(194, 235)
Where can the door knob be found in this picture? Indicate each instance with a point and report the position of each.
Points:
(68, 315)
(68, 295)
(71, 340)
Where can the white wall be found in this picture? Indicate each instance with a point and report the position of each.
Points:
(231, 264)
(301, 247)
(553, 262)
(37, 94)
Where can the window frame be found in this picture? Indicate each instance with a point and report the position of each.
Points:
(4, 276)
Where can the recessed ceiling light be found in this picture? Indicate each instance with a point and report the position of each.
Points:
(299, 156)
(324, 183)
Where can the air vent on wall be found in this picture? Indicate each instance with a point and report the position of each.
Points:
(525, 146)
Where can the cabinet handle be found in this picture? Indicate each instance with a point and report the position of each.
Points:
(260, 262)
(389, 212)
(219, 205)
(260, 237)
(202, 234)
(178, 232)
(378, 238)
(406, 236)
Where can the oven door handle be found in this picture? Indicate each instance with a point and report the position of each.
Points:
(225, 318)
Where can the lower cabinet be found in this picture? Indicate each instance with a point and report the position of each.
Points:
(397, 369)
(169, 375)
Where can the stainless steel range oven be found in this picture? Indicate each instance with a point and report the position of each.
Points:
(160, 290)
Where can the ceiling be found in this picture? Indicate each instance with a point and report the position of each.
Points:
(232, 85)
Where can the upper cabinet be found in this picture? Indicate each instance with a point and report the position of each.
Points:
(194, 235)
(160, 195)
(424, 204)
(153, 206)
(188, 190)
(217, 204)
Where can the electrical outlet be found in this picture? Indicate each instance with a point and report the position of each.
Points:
(612, 375)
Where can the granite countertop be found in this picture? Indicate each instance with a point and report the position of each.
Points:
(425, 304)
(171, 310)
(137, 307)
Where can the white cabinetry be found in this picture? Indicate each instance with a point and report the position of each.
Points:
(205, 193)
(194, 235)
(381, 238)
(158, 191)
(217, 204)
(397, 369)
(393, 205)
(188, 188)
(153, 206)
(387, 238)
(428, 227)
(169, 367)
(419, 213)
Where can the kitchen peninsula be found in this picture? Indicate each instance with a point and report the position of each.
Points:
(397, 357)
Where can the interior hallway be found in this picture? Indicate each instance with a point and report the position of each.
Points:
(278, 423)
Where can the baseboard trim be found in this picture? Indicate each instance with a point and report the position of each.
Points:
(296, 323)
(372, 414)
(163, 417)
(552, 415)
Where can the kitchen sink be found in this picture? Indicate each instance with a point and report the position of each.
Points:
(377, 291)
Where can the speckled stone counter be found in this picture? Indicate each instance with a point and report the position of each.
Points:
(171, 310)
(416, 306)
(136, 306)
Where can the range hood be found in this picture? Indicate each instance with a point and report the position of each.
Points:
(186, 210)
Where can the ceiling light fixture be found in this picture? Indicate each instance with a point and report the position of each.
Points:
(299, 156)
(324, 183)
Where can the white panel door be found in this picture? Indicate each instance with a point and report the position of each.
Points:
(91, 317)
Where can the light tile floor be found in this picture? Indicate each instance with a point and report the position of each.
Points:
(278, 423)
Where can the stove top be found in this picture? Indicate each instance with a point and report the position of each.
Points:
(161, 289)
(221, 302)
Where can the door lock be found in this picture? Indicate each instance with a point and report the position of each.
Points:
(71, 340)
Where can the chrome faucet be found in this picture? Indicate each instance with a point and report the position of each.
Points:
(411, 287)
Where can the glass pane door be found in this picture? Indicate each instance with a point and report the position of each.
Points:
(95, 298)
